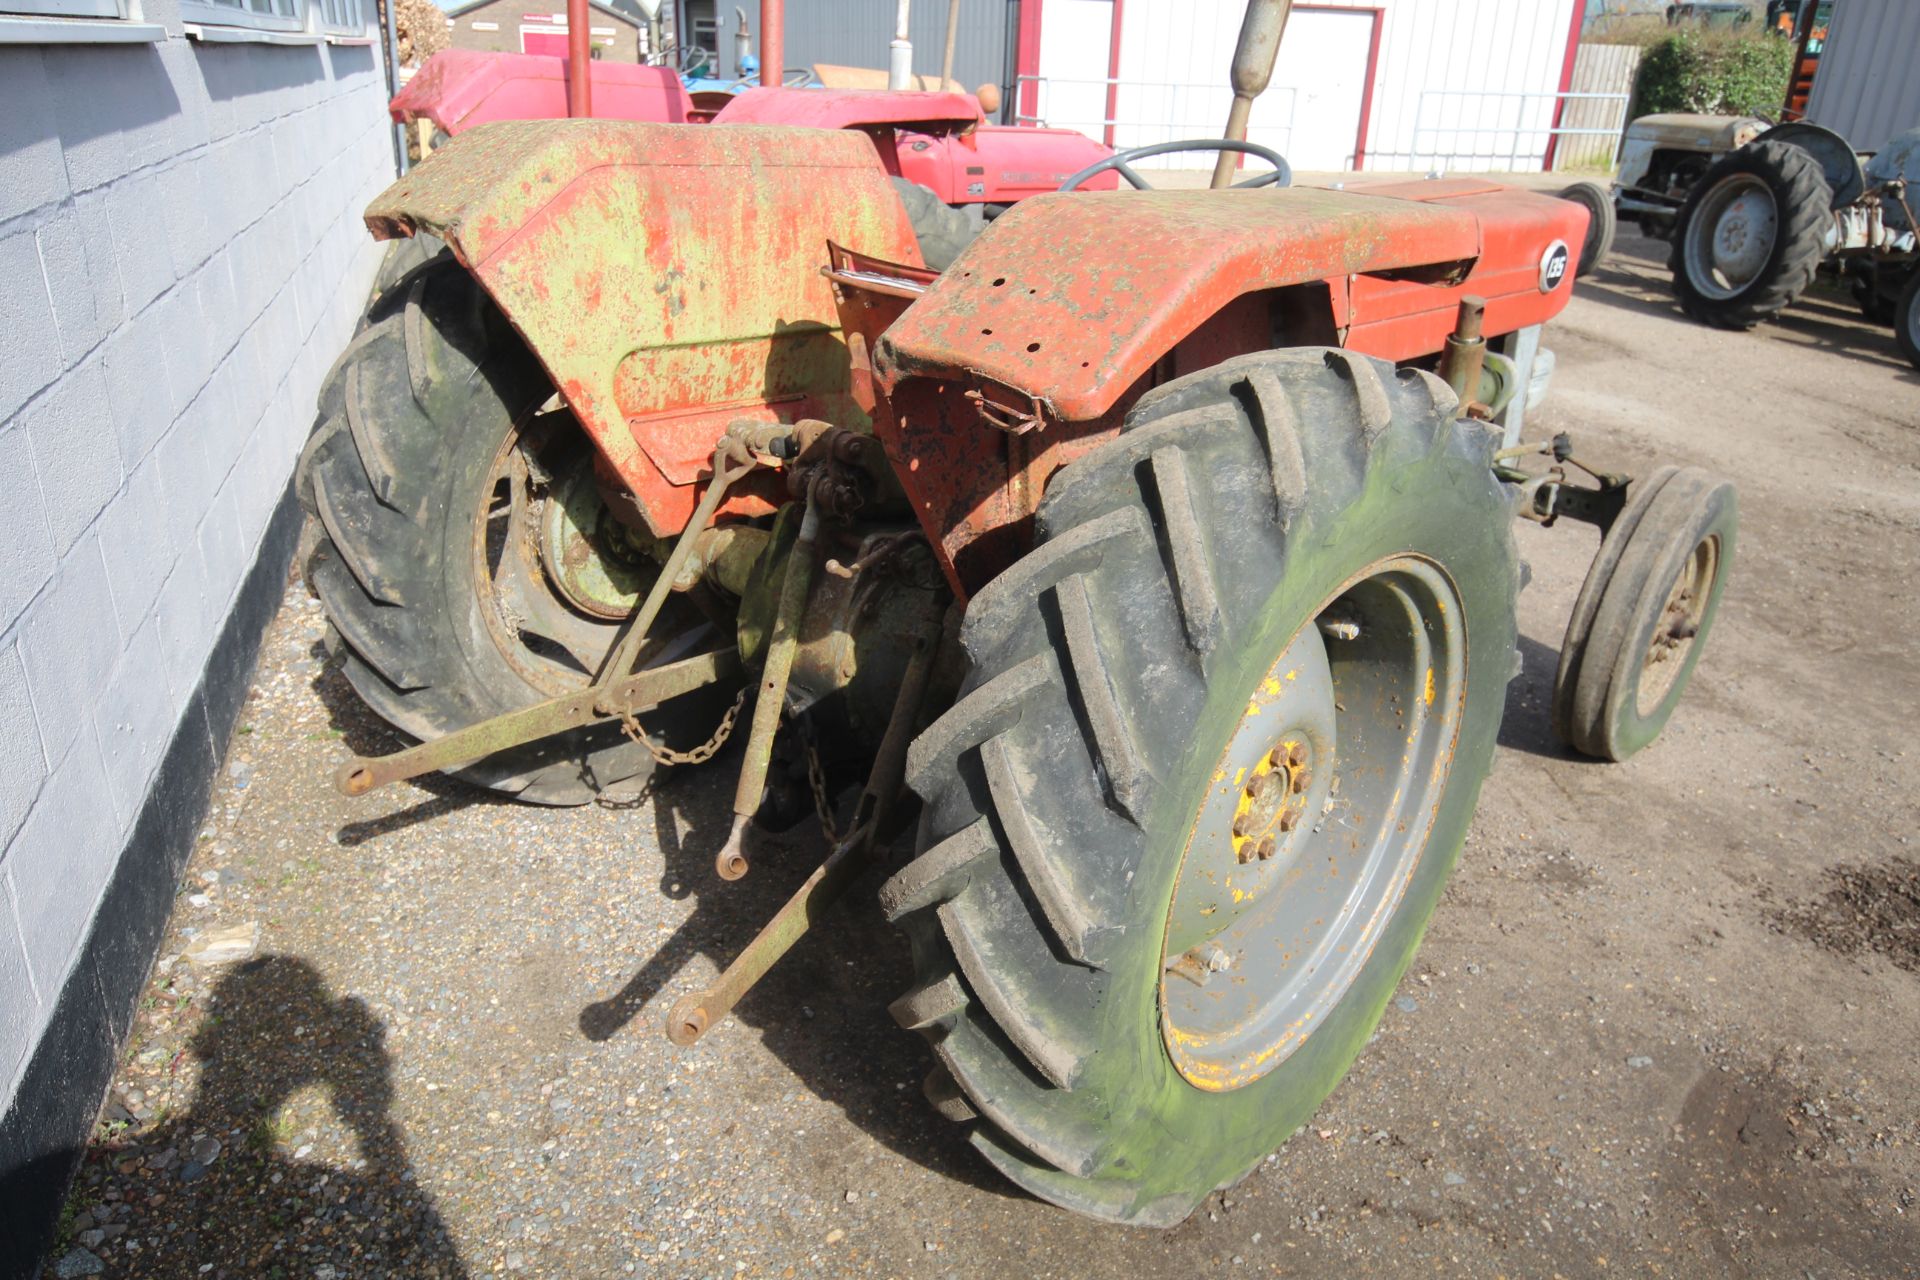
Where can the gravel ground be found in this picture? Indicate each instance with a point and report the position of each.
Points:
(1663, 1023)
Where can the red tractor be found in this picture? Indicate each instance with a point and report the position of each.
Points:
(1154, 561)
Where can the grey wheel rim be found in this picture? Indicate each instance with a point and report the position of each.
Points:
(1312, 824)
(1731, 235)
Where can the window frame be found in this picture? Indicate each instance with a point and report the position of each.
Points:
(111, 9)
(292, 22)
(53, 22)
(237, 14)
(318, 8)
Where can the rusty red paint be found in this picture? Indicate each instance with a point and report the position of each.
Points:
(1193, 278)
(1402, 320)
(1031, 307)
(620, 252)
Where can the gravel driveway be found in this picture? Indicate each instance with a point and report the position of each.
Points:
(1664, 1022)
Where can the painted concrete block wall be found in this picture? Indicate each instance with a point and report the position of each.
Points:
(181, 258)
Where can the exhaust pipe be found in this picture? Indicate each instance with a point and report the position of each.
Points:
(579, 60)
(900, 52)
(1253, 57)
(773, 41)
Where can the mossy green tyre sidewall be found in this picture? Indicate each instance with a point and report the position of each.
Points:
(1716, 513)
(1219, 1135)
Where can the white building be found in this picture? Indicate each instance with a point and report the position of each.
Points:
(1391, 84)
(181, 257)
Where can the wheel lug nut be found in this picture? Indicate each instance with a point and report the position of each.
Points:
(1266, 849)
(1297, 754)
(1289, 819)
(1300, 780)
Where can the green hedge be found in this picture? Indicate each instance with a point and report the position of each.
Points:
(1722, 73)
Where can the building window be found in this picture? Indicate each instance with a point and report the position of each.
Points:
(65, 8)
(266, 15)
(278, 21)
(344, 17)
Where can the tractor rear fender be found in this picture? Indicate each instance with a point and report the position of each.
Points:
(1072, 298)
(666, 277)
(1834, 154)
(1028, 350)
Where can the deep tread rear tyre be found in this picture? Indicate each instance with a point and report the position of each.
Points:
(411, 418)
(1601, 221)
(402, 259)
(1906, 320)
(943, 231)
(1108, 667)
(1802, 204)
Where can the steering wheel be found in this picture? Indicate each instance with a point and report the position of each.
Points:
(1281, 176)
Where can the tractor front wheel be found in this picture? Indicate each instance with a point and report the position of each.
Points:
(464, 557)
(1601, 223)
(1219, 746)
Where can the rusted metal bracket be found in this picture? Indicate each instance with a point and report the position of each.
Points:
(695, 1014)
(1546, 496)
(731, 862)
(1465, 353)
(541, 720)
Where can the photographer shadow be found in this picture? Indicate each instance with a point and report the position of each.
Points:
(212, 1192)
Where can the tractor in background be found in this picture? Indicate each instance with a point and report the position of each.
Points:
(1754, 211)
(1152, 563)
(967, 170)
(1762, 220)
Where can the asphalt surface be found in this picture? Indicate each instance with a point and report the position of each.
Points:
(1664, 1022)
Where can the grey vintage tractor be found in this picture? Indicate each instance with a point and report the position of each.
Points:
(1754, 213)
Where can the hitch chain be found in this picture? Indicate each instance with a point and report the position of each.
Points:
(695, 755)
(817, 783)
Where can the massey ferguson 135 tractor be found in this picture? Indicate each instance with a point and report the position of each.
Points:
(1157, 555)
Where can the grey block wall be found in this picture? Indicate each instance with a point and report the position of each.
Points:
(181, 258)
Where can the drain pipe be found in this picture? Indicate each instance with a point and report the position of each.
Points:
(900, 52)
(400, 163)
